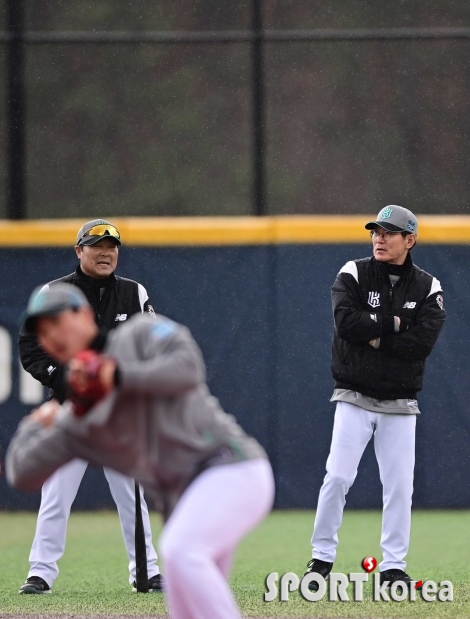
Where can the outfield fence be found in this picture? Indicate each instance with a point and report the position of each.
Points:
(256, 295)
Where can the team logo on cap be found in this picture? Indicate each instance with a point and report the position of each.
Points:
(386, 213)
(411, 225)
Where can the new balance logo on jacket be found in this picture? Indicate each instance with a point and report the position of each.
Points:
(120, 317)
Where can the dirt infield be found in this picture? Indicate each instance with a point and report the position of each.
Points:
(72, 616)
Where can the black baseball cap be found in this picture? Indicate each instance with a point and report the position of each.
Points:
(395, 219)
(51, 300)
(97, 230)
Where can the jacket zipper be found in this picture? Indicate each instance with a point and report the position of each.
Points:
(384, 358)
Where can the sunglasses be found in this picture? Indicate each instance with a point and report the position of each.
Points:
(102, 230)
(385, 233)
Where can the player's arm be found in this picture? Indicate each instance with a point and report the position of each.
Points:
(37, 449)
(41, 366)
(353, 323)
(170, 364)
(418, 340)
(145, 305)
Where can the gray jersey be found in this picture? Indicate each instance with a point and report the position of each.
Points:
(160, 425)
(394, 407)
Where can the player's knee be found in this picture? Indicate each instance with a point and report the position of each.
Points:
(183, 562)
(172, 546)
(340, 480)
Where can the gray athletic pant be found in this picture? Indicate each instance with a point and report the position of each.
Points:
(58, 494)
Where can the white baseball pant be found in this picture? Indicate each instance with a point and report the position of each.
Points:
(394, 443)
(198, 542)
(58, 494)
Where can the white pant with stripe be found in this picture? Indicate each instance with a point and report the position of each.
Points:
(58, 494)
(214, 513)
(394, 443)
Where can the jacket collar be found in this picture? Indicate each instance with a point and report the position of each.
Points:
(91, 281)
(382, 266)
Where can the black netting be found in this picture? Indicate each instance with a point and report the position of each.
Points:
(353, 125)
(139, 130)
(287, 14)
(158, 129)
(137, 15)
(3, 132)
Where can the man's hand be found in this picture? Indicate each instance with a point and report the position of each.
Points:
(90, 378)
(46, 413)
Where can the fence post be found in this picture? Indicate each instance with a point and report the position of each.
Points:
(259, 138)
(16, 149)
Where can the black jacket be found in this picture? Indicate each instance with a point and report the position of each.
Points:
(364, 304)
(114, 300)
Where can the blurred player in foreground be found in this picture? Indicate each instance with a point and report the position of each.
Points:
(388, 314)
(139, 404)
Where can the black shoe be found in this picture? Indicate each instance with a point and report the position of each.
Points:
(155, 584)
(393, 575)
(319, 567)
(35, 584)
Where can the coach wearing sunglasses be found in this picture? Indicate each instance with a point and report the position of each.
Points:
(114, 300)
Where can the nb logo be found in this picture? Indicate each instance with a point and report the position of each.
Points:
(374, 299)
(409, 305)
(120, 317)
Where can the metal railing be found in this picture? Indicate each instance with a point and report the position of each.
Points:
(16, 38)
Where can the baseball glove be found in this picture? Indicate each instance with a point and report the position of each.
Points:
(85, 381)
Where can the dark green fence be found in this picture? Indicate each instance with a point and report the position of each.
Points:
(226, 108)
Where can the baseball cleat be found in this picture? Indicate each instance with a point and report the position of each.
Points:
(318, 567)
(35, 584)
(395, 575)
(155, 584)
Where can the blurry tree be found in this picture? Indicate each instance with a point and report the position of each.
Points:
(166, 130)
(355, 125)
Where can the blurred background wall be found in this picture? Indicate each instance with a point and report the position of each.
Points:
(261, 313)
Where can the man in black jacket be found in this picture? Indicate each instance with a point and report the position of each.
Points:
(113, 299)
(388, 314)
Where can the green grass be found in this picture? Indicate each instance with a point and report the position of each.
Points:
(93, 577)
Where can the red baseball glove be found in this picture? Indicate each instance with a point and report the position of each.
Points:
(87, 380)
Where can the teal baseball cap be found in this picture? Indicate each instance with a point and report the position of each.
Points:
(395, 219)
(51, 300)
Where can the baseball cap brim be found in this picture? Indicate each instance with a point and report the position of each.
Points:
(50, 301)
(28, 321)
(385, 225)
